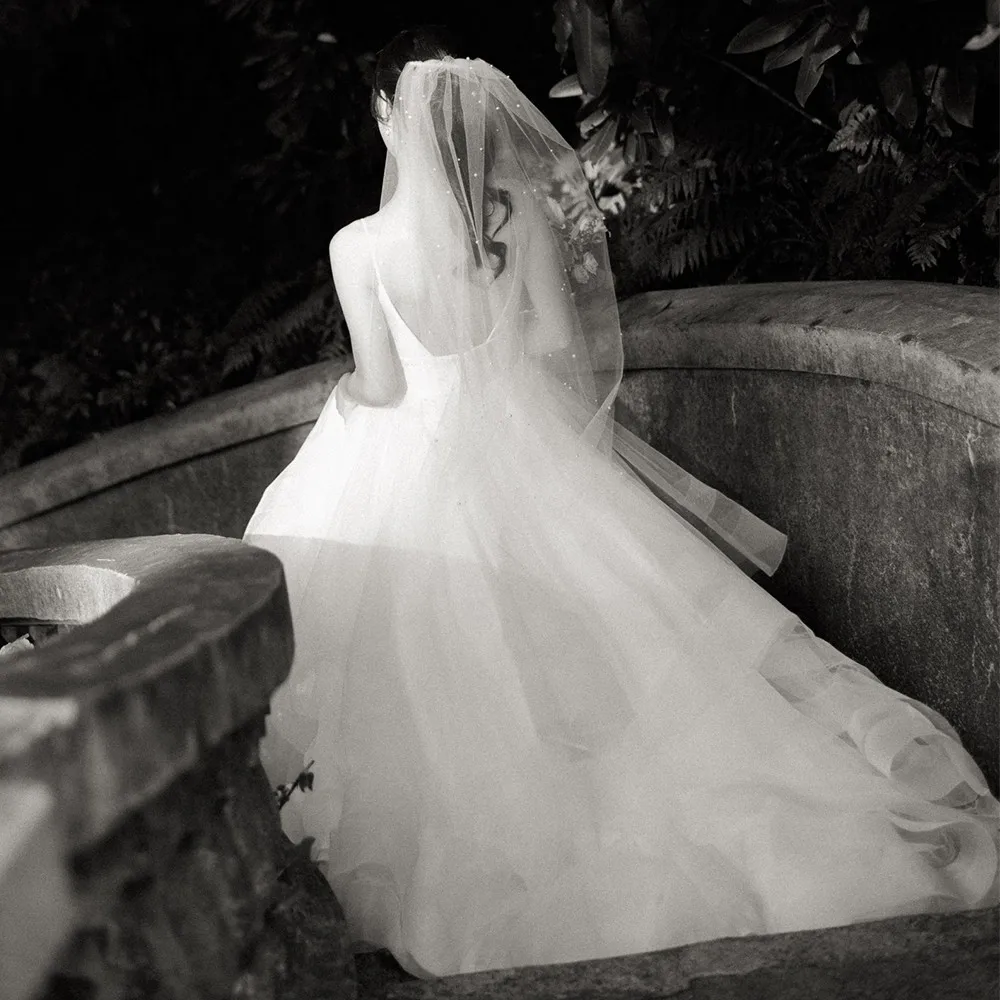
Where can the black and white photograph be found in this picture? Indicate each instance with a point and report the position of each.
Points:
(500, 501)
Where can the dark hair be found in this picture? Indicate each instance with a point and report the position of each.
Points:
(434, 41)
(427, 41)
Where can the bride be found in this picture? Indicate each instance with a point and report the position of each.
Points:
(552, 716)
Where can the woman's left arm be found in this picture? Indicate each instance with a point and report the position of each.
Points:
(377, 379)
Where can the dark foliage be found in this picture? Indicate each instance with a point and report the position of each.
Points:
(180, 167)
(862, 143)
(192, 162)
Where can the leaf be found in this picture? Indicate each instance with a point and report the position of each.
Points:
(785, 55)
(599, 141)
(810, 72)
(631, 147)
(562, 24)
(823, 53)
(813, 60)
(567, 87)
(665, 135)
(591, 45)
(763, 33)
(991, 215)
(896, 85)
(958, 92)
(991, 30)
(591, 121)
(642, 120)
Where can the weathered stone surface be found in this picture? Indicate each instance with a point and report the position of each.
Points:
(860, 417)
(305, 954)
(206, 427)
(36, 906)
(170, 901)
(143, 722)
(201, 895)
(836, 414)
(109, 714)
(936, 341)
(214, 492)
(378, 973)
(918, 958)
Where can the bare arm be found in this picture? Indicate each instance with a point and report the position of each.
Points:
(377, 379)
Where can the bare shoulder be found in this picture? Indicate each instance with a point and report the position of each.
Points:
(349, 249)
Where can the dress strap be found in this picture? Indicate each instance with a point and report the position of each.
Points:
(378, 273)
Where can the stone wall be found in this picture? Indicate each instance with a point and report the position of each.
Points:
(917, 958)
(152, 863)
(202, 469)
(863, 419)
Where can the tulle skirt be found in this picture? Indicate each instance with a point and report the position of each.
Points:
(551, 722)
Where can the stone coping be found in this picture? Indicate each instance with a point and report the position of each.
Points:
(925, 957)
(937, 341)
(185, 637)
(940, 341)
(209, 425)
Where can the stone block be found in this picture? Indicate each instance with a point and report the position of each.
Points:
(141, 725)
(933, 957)
(36, 903)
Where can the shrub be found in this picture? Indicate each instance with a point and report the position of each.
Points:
(866, 158)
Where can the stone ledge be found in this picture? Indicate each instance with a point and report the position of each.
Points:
(110, 713)
(919, 957)
(936, 341)
(209, 425)
(158, 867)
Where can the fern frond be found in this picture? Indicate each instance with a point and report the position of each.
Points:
(259, 308)
(925, 246)
(864, 133)
(303, 317)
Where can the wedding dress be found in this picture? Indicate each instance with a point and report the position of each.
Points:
(550, 719)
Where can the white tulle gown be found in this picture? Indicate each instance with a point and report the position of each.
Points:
(551, 721)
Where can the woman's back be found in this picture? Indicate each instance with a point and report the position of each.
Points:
(395, 244)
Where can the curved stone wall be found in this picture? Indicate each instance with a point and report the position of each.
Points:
(201, 469)
(863, 418)
(145, 836)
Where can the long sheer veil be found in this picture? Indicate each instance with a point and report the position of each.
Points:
(513, 251)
